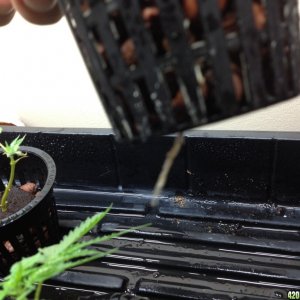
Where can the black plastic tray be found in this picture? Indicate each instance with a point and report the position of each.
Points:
(227, 226)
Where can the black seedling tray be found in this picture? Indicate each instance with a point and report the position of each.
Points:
(227, 225)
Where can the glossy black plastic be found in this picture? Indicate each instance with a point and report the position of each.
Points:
(227, 225)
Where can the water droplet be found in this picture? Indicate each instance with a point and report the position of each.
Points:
(273, 44)
(278, 294)
(212, 51)
(153, 96)
(136, 94)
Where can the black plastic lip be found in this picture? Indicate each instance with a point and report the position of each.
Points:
(200, 133)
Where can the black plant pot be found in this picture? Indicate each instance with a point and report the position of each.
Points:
(163, 66)
(36, 225)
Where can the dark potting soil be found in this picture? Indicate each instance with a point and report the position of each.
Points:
(17, 199)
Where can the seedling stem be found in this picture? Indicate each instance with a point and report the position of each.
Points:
(11, 150)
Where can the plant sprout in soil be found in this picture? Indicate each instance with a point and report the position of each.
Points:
(13, 152)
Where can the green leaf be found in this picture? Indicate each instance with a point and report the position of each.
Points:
(53, 260)
(13, 148)
(82, 229)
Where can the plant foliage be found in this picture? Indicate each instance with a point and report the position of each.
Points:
(12, 151)
(53, 260)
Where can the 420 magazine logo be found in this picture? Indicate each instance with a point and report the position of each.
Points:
(293, 295)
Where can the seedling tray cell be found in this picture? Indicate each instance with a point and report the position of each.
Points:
(227, 225)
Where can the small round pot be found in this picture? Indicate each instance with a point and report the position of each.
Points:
(36, 224)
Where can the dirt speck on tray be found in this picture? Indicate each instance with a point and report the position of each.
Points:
(180, 200)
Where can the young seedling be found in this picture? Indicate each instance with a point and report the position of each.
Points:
(28, 275)
(12, 151)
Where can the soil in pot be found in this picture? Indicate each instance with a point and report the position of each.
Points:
(18, 198)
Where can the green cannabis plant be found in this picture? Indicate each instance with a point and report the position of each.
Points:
(28, 275)
(12, 151)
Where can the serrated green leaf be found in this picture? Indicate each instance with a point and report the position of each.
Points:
(13, 148)
(15, 144)
(88, 259)
(53, 260)
(2, 295)
(82, 229)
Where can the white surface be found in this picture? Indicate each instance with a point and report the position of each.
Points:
(45, 83)
(279, 117)
(44, 78)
